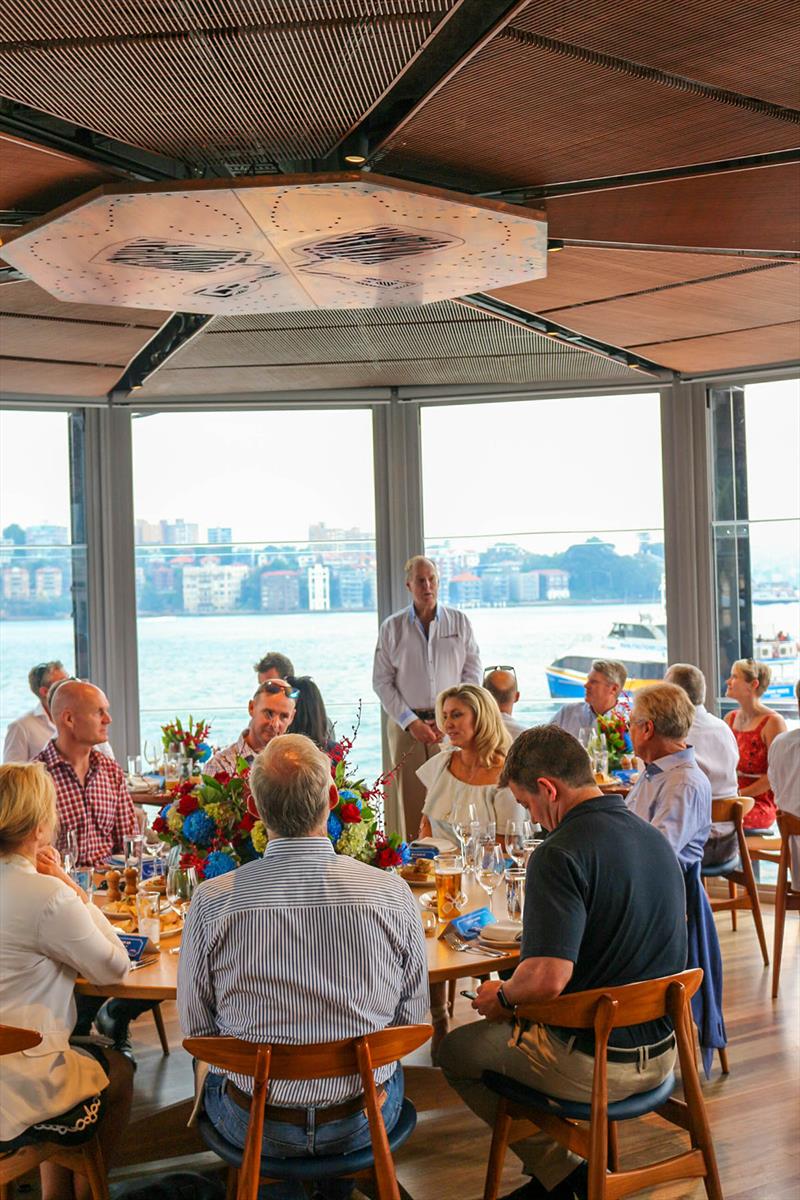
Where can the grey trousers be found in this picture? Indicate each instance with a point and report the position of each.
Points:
(411, 792)
(547, 1065)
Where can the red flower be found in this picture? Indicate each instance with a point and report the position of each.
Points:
(350, 814)
(190, 860)
(187, 804)
(247, 822)
(336, 753)
(160, 825)
(222, 777)
(387, 857)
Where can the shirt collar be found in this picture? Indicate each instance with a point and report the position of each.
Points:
(315, 847)
(52, 757)
(412, 613)
(609, 803)
(669, 762)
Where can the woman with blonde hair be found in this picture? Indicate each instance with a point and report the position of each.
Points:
(755, 728)
(54, 1092)
(466, 770)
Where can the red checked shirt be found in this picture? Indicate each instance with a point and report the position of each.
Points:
(101, 811)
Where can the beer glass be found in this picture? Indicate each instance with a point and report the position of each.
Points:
(448, 870)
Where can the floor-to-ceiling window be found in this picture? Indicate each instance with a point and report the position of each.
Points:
(42, 560)
(546, 520)
(755, 439)
(255, 532)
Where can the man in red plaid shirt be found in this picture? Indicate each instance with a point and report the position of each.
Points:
(91, 792)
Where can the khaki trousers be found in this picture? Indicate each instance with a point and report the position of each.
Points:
(410, 791)
(547, 1065)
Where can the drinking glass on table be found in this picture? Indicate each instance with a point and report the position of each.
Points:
(465, 816)
(448, 870)
(490, 869)
(70, 856)
(134, 766)
(515, 892)
(84, 877)
(515, 841)
(148, 909)
(181, 882)
(153, 756)
(133, 851)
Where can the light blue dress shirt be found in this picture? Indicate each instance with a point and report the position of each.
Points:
(575, 717)
(673, 794)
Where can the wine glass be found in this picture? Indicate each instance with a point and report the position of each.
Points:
(153, 757)
(491, 870)
(181, 882)
(464, 817)
(70, 855)
(515, 841)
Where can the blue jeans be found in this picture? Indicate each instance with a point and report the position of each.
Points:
(282, 1140)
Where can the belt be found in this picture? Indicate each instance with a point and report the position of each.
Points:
(620, 1054)
(426, 714)
(299, 1116)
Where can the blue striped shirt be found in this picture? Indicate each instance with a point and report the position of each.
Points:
(302, 946)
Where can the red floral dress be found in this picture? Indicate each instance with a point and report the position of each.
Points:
(752, 763)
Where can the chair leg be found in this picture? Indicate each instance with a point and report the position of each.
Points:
(732, 894)
(755, 905)
(95, 1169)
(6, 1191)
(497, 1152)
(723, 1060)
(162, 1033)
(780, 921)
(613, 1147)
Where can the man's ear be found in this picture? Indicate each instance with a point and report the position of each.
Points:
(333, 797)
(516, 697)
(250, 708)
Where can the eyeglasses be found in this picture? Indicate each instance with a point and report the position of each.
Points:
(279, 685)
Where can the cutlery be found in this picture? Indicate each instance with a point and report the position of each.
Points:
(455, 942)
(144, 962)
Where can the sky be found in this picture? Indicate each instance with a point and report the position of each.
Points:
(489, 470)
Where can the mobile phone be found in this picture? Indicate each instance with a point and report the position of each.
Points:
(469, 995)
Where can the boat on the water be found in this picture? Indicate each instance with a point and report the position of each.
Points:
(642, 646)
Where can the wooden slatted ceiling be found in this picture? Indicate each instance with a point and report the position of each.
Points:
(56, 378)
(522, 114)
(745, 210)
(772, 344)
(36, 179)
(27, 299)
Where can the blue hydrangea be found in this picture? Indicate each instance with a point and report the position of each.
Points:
(335, 826)
(218, 863)
(165, 810)
(626, 739)
(198, 827)
(404, 853)
(203, 752)
(350, 797)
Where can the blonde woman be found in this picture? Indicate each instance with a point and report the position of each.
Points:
(467, 769)
(54, 1092)
(755, 728)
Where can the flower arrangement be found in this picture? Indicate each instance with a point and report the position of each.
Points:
(190, 740)
(618, 740)
(213, 823)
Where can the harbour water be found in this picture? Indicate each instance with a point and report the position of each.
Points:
(204, 665)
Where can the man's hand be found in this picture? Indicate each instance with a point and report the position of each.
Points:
(423, 732)
(487, 1003)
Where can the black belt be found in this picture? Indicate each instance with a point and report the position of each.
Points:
(621, 1054)
(426, 714)
(299, 1116)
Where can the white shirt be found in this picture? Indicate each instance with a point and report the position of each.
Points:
(717, 755)
(28, 735)
(514, 727)
(410, 669)
(783, 770)
(444, 792)
(49, 937)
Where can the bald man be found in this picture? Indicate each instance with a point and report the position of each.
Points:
(502, 683)
(90, 788)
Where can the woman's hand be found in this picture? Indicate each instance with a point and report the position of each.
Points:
(48, 862)
(425, 830)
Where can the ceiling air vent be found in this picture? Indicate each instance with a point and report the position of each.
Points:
(382, 244)
(162, 255)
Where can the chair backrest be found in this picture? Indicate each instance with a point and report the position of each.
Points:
(631, 1004)
(734, 809)
(13, 1039)
(788, 824)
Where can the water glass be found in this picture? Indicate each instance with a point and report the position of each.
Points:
(514, 841)
(134, 765)
(448, 869)
(148, 907)
(70, 855)
(84, 877)
(429, 922)
(133, 851)
(515, 892)
(490, 867)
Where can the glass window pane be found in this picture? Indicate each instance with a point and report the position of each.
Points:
(536, 536)
(267, 543)
(38, 559)
(772, 423)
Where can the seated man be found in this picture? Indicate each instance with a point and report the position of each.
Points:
(605, 907)
(271, 713)
(716, 754)
(301, 946)
(28, 735)
(501, 682)
(602, 689)
(273, 665)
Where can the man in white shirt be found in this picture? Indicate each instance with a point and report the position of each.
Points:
(603, 685)
(421, 650)
(716, 754)
(28, 735)
(783, 769)
(501, 682)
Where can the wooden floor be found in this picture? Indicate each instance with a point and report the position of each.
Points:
(754, 1111)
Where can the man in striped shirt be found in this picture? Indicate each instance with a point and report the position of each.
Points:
(301, 946)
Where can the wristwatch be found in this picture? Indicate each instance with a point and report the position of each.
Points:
(504, 1000)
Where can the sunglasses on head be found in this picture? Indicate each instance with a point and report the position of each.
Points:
(499, 667)
(278, 685)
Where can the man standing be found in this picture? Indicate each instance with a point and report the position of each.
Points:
(92, 796)
(28, 735)
(607, 908)
(716, 754)
(603, 685)
(421, 650)
(501, 682)
(271, 713)
(301, 946)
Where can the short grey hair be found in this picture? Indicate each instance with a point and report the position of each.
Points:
(42, 675)
(668, 707)
(290, 780)
(690, 678)
(615, 672)
(414, 562)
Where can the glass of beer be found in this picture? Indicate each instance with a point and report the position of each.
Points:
(448, 870)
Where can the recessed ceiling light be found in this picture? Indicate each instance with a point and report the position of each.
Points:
(554, 244)
(355, 159)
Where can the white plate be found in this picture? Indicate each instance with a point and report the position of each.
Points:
(503, 932)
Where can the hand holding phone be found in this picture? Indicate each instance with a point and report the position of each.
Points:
(469, 995)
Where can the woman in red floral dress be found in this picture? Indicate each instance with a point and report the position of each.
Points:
(755, 727)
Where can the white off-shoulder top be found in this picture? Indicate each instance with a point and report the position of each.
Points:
(444, 791)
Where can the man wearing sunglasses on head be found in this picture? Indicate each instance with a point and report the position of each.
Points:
(271, 713)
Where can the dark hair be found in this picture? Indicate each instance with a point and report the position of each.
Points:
(273, 660)
(310, 718)
(550, 751)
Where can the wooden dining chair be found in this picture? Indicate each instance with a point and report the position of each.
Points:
(786, 897)
(264, 1063)
(522, 1110)
(738, 871)
(86, 1159)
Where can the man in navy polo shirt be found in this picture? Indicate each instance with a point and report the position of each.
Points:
(605, 906)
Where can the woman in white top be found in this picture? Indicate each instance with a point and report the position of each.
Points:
(53, 1092)
(468, 769)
